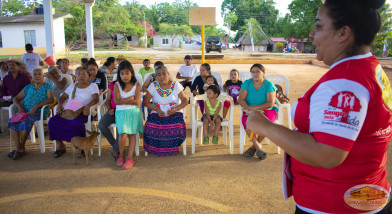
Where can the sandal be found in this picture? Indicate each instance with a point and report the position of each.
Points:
(206, 141)
(18, 155)
(58, 153)
(120, 161)
(11, 154)
(214, 140)
(250, 152)
(261, 154)
(128, 164)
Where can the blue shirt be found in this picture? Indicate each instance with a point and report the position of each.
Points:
(258, 97)
(34, 97)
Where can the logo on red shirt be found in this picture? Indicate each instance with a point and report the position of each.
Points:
(346, 101)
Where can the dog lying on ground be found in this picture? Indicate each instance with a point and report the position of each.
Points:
(84, 143)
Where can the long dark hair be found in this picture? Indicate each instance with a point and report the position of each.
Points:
(259, 66)
(125, 65)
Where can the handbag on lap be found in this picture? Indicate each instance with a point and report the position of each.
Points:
(18, 117)
(73, 108)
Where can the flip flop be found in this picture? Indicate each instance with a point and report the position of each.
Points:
(11, 154)
(18, 155)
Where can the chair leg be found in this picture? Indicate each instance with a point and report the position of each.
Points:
(184, 147)
(289, 117)
(32, 134)
(242, 139)
(145, 153)
(231, 139)
(200, 130)
(194, 132)
(11, 144)
(224, 132)
(137, 144)
(99, 143)
(41, 135)
(1, 118)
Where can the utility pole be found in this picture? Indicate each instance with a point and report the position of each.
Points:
(251, 36)
(145, 31)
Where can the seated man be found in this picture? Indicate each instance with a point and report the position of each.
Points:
(13, 83)
(58, 82)
(186, 72)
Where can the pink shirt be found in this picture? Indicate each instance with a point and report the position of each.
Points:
(111, 87)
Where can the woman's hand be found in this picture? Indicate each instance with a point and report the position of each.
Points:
(32, 110)
(21, 110)
(161, 113)
(86, 110)
(171, 111)
(111, 112)
(256, 120)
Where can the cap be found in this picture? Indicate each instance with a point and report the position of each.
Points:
(121, 57)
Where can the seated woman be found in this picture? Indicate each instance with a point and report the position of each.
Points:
(84, 93)
(34, 96)
(96, 76)
(164, 130)
(58, 82)
(109, 69)
(258, 94)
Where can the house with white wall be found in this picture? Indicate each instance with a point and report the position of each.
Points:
(166, 41)
(16, 31)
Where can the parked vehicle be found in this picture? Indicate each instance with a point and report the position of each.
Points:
(213, 44)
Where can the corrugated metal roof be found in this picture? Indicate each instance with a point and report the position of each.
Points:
(29, 18)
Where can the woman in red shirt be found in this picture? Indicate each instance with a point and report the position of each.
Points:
(338, 152)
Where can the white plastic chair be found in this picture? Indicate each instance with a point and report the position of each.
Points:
(197, 124)
(183, 115)
(102, 110)
(39, 124)
(279, 79)
(2, 109)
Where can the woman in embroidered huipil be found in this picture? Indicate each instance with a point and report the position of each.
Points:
(164, 130)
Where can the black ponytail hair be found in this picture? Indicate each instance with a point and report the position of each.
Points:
(92, 61)
(109, 61)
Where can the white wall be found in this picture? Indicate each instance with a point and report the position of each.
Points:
(176, 41)
(13, 35)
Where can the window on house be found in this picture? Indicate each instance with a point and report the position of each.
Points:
(129, 38)
(30, 37)
(165, 41)
(1, 40)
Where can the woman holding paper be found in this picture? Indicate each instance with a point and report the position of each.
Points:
(343, 123)
(164, 130)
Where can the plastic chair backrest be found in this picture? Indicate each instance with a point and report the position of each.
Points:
(139, 78)
(279, 79)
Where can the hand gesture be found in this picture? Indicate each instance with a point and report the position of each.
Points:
(86, 110)
(111, 112)
(171, 111)
(161, 113)
(212, 125)
(32, 111)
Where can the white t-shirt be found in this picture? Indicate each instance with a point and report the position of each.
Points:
(84, 95)
(158, 98)
(123, 95)
(70, 71)
(32, 61)
(188, 71)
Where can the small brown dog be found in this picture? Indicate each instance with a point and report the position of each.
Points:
(84, 143)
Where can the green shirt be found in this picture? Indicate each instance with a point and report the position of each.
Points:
(143, 71)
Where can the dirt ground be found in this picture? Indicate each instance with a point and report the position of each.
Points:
(210, 181)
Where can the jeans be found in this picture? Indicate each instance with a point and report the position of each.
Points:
(103, 126)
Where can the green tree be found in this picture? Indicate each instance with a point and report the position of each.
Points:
(213, 30)
(302, 17)
(16, 7)
(175, 30)
(75, 27)
(230, 18)
(385, 32)
(253, 25)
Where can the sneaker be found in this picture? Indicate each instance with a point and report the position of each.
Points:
(215, 140)
(250, 152)
(261, 154)
(120, 161)
(206, 141)
(128, 164)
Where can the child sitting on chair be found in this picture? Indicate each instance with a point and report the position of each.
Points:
(210, 80)
(211, 117)
(232, 87)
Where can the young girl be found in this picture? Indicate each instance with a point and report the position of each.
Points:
(209, 81)
(128, 116)
(232, 87)
(211, 117)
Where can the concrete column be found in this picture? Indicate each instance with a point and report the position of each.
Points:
(48, 21)
(89, 29)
